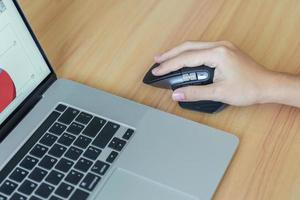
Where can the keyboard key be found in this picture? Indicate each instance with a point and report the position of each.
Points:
(18, 175)
(34, 198)
(44, 190)
(37, 174)
(55, 198)
(90, 181)
(17, 196)
(112, 156)
(61, 108)
(74, 177)
(64, 190)
(84, 118)
(47, 162)
(73, 153)
(64, 165)
(57, 150)
(8, 187)
(106, 134)
(100, 167)
(27, 187)
(57, 128)
(4, 198)
(48, 139)
(29, 162)
(94, 127)
(66, 139)
(20, 156)
(82, 142)
(39, 151)
(127, 135)
(83, 165)
(54, 177)
(79, 194)
(92, 153)
(75, 128)
(117, 144)
(68, 116)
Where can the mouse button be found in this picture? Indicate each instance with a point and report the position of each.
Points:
(193, 76)
(203, 75)
(185, 77)
(149, 78)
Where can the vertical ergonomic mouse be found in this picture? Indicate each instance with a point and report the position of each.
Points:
(201, 75)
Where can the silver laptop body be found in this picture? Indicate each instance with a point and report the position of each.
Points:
(150, 154)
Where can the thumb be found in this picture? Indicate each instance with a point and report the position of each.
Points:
(195, 93)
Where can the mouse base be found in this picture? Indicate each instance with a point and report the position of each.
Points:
(203, 106)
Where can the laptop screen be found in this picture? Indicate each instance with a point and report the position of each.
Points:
(22, 66)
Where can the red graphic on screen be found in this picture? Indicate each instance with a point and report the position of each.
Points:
(7, 90)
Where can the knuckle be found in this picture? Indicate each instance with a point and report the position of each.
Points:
(188, 43)
(222, 50)
(185, 45)
(227, 43)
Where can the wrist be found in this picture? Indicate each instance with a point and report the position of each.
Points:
(270, 87)
(278, 88)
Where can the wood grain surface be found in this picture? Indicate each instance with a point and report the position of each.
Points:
(110, 44)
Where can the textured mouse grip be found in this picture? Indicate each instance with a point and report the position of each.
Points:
(202, 106)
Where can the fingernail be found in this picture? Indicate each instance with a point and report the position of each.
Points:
(178, 96)
(155, 71)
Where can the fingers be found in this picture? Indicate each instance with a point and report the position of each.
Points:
(189, 46)
(186, 46)
(197, 93)
(188, 59)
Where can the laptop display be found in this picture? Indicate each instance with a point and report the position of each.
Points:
(22, 66)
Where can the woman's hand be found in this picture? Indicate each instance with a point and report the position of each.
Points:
(238, 80)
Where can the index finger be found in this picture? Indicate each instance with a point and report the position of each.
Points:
(186, 46)
(187, 59)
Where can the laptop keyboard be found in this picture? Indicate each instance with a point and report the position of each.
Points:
(65, 158)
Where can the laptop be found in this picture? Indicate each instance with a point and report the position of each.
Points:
(64, 140)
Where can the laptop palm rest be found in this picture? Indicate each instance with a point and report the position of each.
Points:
(127, 185)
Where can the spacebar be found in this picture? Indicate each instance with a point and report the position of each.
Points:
(106, 135)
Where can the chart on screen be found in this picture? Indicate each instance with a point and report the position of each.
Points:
(13, 60)
(7, 90)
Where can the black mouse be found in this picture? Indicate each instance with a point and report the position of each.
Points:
(201, 75)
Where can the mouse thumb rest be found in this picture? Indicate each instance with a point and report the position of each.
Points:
(187, 76)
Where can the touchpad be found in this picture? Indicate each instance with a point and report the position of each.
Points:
(127, 185)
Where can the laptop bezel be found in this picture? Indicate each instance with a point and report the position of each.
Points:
(17, 115)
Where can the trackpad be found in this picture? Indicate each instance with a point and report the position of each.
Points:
(127, 185)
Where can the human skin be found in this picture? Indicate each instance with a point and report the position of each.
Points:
(238, 80)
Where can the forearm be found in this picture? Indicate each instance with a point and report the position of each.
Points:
(283, 89)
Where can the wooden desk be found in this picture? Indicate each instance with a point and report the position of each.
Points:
(110, 45)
